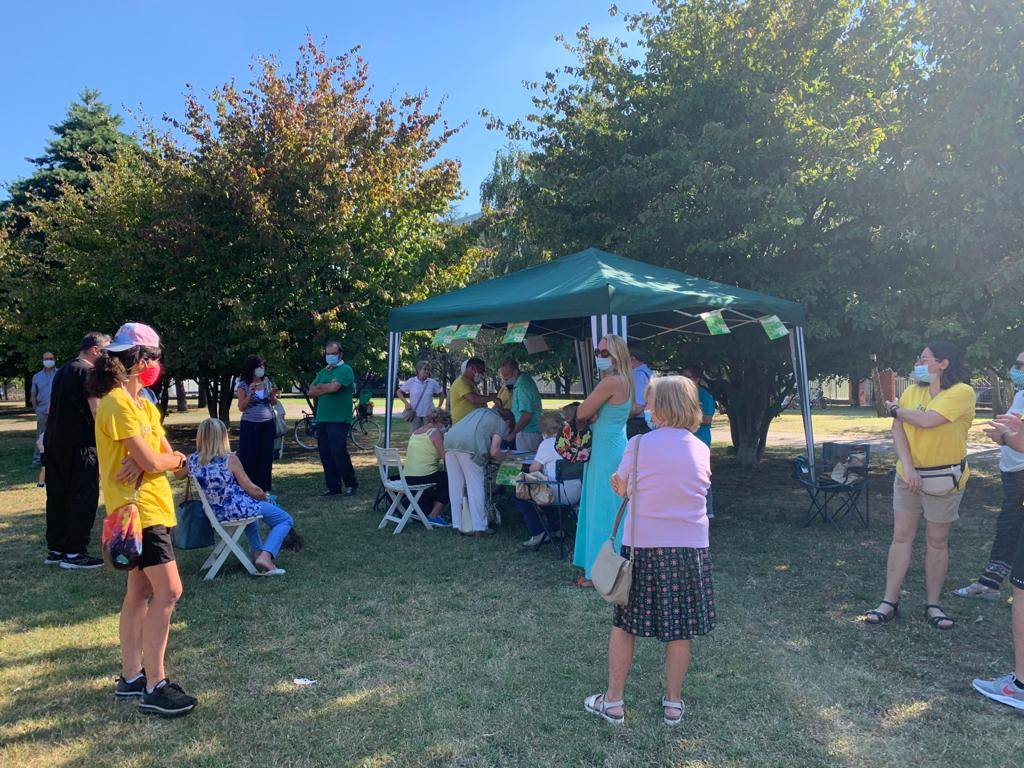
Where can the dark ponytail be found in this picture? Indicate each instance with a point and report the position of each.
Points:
(111, 371)
(957, 371)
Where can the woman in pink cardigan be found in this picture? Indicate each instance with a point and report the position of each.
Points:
(671, 596)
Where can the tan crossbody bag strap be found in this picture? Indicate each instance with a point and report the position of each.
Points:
(625, 501)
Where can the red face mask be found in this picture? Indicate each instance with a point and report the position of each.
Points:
(150, 376)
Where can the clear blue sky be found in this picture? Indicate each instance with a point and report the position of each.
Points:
(141, 53)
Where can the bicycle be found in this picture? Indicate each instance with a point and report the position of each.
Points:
(364, 434)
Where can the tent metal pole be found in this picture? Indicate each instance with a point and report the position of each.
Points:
(593, 330)
(800, 368)
(624, 328)
(394, 341)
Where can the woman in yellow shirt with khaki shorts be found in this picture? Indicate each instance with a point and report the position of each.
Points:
(930, 425)
(134, 457)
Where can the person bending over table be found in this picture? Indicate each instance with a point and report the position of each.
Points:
(468, 446)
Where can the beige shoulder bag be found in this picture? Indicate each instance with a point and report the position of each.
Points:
(611, 573)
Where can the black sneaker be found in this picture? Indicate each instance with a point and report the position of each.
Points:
(126, 690)
(331, 493)
(80, 562)
(349, 492)
(53, 557)
(168, 700)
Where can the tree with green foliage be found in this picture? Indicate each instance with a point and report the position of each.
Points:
(286, 213)
(89, 136)
(724, 151)
(940, 211)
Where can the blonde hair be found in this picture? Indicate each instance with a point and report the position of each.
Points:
(674, 402)
(620, 361)
(438, 416)
(550, 423)
(212, 440)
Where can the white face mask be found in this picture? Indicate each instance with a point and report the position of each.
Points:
(260, 372)
(49, 363)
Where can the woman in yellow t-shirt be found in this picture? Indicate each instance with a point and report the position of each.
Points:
(134, 453)
(929, 429)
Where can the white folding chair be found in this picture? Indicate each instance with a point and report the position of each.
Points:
(399, 489)
(228, 535)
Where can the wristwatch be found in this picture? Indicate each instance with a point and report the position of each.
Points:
(894, 410)
(1002, 437)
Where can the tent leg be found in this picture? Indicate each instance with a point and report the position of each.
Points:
(583, 360)
(799, 353)
(394, 344)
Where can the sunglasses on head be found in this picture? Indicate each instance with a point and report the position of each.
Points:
(602, 353)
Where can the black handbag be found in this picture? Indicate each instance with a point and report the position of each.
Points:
(193, 530)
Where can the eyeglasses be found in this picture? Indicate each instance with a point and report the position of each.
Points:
(153, 357)
(602, 353)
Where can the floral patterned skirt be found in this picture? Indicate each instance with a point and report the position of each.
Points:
(672, 595)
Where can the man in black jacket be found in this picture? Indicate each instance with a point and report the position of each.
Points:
(72, 472)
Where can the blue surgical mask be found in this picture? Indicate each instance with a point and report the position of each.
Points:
(332, 359)
(922, 375)
(603, 363)
(1017, 378)
(650, 420)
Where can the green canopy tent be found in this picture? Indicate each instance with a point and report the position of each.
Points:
(588, 294)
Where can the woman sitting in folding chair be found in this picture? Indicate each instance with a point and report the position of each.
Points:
(424, 463)
(233, 496)
(546, 461)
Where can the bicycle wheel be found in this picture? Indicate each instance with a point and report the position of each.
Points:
(365, 434)
(305, 433)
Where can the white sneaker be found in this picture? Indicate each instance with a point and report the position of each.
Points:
(535, 541)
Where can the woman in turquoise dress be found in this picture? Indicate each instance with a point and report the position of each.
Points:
(607, 409)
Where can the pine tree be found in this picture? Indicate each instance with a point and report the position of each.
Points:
(89, 134)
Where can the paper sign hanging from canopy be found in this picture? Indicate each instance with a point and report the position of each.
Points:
(468, 331)
(715, 322)
(443, 336)
(774, 327)
(515, 333)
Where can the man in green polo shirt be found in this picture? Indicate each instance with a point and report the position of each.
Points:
(333, 388)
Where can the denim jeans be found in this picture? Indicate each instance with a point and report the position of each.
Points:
(532, 519)
(279, 521)
(332, 442)
(1008, 530)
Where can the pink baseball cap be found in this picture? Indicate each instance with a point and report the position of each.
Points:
(133, 335)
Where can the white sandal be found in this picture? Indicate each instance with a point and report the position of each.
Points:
(666, 704)
(597, 705)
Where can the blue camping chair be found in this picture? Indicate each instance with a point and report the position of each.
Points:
(832, 500)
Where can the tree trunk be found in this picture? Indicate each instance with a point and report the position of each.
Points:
(212, 393)
(27, 378)
(179, 391)
(165, 397)
(995, 380)
(854, 390)
(201, 398)
(876, 393)
(225, 398)
(751, 396)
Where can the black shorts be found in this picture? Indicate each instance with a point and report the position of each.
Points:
(157, 546)
(1017, 568)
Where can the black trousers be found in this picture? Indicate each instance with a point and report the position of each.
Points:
(332, 442)
(1009, 527)
(72, 494)
(256, 451)
(438, 493)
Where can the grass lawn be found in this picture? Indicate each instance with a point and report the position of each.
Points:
(433, 650)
